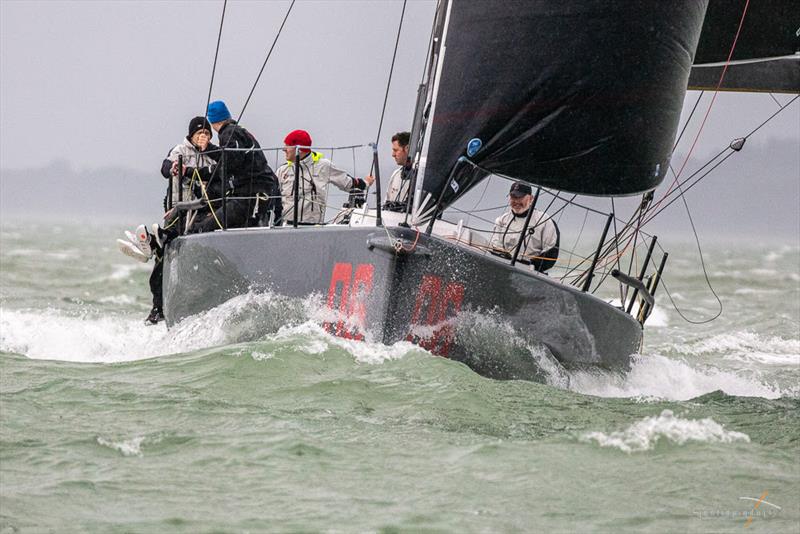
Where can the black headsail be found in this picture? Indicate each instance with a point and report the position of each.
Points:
(766, 55)
(582, 96)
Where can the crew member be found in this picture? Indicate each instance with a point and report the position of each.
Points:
(540, 248)
(198, 153)
(249, 180)
(400, 181)
(316, 174)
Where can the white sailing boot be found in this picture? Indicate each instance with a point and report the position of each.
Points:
(132, 250)
(143, 240)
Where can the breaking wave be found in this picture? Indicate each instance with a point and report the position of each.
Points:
(656, 377)
(747, 346)
(55, 335)
(290, 322)
(645, 434)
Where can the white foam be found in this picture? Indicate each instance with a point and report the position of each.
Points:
(129, 447)
(122, 271)
(54, 335)
(745, 345)
(119, 300)
(658, 318)
(754, 291)
(656, 377)
(316, 340)
(645, 434)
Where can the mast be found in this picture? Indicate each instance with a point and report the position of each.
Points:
(426, 112)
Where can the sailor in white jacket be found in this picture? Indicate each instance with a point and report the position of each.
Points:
(542, 240)
(399, 183)
(316, 174)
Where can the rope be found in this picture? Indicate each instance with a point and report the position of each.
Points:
(730, 153)
(688, 120)
(205, 196)
(703, 264)
(391, 72)
(713, 99)
(263, 66)
(216, 55)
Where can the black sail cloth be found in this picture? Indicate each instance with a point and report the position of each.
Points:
(582, 96)
(765, 56)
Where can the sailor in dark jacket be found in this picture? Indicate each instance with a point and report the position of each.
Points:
(249, 180)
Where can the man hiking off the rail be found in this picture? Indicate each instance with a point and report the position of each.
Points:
(316, 173)
(251, 185)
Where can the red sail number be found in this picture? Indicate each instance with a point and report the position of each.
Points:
(440, 305)
(351, 292)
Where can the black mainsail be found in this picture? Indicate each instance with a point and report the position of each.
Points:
(581, 96)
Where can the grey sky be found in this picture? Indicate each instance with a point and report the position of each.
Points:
(117, 82)
(102, 84)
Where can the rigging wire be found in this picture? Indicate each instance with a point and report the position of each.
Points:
(702, 263)
(622, 288)
(710, 105)
(263, 66)
(391, 72)
(730, 153)
(216, 55)
(628, 230)
(688, 120)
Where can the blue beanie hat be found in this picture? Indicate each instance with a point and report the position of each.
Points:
(218, 112)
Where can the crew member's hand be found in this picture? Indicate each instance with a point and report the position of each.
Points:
(370, 180)
(174, 169)
(202, 141)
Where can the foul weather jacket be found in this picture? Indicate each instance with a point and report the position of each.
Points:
(541, 242)
(397, 192)
(246, 167)
(316, 174)
(193, 158)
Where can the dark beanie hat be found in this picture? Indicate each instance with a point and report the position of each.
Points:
(198, 123)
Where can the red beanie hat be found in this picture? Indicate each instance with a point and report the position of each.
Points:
(297, 138)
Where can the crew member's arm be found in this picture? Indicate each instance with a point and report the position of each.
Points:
(169, 161)
(343, 181)
(497, 234)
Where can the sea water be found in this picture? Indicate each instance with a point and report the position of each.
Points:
(251, 418)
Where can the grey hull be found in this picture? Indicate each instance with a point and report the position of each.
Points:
(453, 300)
